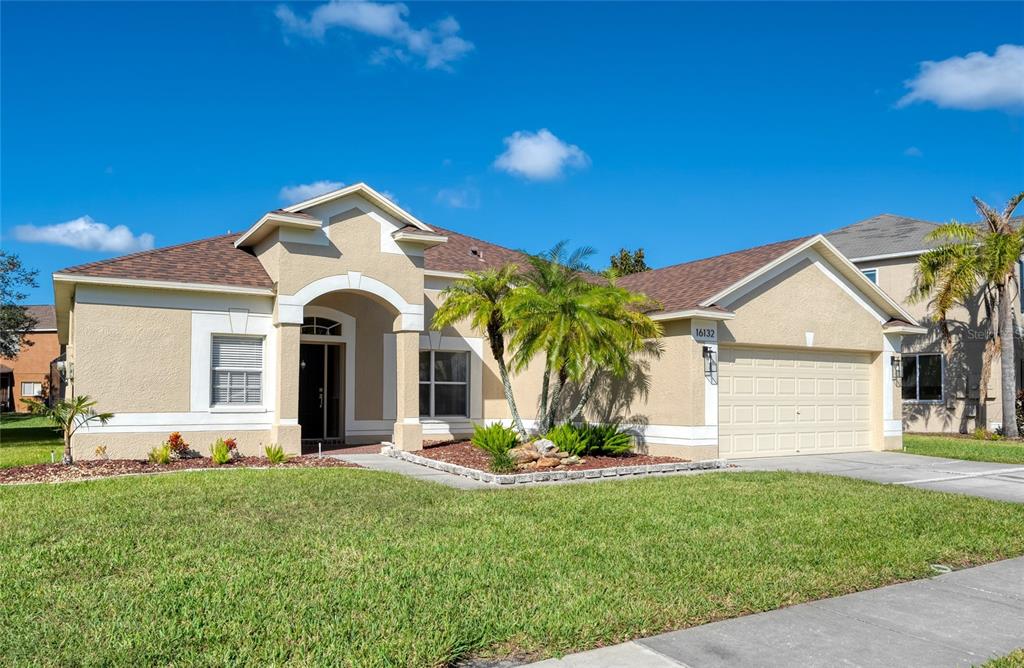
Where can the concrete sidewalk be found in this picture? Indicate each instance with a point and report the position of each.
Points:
(392, 465)
(958, 619)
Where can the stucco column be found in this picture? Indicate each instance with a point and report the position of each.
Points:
(286, 431)
(408, 433)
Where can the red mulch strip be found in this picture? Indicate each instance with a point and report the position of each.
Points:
(466, 454)
(107, 468)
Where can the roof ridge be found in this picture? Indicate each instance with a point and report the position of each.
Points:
(100, 263)
(723, 255)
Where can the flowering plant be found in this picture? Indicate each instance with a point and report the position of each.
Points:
(176, 443)
(230, 442)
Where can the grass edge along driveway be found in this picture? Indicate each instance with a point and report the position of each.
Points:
(952, 447)
(309, 567)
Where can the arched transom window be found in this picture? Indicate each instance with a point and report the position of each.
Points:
(321, 326)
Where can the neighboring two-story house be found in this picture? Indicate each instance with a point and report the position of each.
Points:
(941, 393)
(31, 375)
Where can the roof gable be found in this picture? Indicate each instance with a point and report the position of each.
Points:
(689, 285)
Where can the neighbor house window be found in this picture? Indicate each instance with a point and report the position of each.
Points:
(31, 389)
(237, 370)
(922, 377)
(871, 275)
(444, 384)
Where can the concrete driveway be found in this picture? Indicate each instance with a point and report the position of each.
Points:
(1002, 482)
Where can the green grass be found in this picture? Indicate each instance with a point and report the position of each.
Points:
(27, 439)
(350, 567)
(1002, 452)
(1012, 660)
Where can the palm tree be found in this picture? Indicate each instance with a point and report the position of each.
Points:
(580, 324)
(973, 259)
(481, 298)
(68, 416)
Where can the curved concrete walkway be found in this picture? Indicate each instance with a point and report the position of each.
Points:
(959, 619)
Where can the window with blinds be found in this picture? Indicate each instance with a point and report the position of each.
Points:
(237, 370)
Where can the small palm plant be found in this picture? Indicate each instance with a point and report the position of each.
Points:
(68, 415)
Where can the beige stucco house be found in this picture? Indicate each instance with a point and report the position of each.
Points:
(312, 327)
(940, 392)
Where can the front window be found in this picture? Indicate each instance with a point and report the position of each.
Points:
(922, 377)
(31, 389)
(444, 384)
(237, 370)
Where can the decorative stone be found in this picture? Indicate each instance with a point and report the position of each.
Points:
(592, 473)
(571, 459)
(544, 446)
(559, 475)
(576, 475)
(548, 462)
(558, 453)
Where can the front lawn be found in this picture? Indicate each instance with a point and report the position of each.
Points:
(952, 447)
(355, 567)
(27, 439)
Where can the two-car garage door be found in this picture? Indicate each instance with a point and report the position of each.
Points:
(784, 402)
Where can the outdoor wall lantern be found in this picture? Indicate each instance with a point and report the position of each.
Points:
(711, 364)
(897, 368)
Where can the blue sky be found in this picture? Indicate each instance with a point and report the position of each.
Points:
(687, 129)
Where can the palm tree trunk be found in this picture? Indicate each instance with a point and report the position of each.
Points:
(588, 389)
(510, 398)
(67, 458)
(1008, 377)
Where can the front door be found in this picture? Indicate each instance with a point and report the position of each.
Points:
(321, 393)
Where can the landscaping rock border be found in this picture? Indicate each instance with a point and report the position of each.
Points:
(390, 450)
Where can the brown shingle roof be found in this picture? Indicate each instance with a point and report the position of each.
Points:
(215, 261)
(465, 253)
(685, 286)
(45, 315)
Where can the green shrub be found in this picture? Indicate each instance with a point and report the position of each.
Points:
(496, 440)
(591, 439)
(275, 454)
(568, 438)
(161, 454)
(220, 453)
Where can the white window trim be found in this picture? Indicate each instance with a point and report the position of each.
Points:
(31, 394)
(433, 383)
(475, 346)
(229, 406)
(237, 322)
(917, 380)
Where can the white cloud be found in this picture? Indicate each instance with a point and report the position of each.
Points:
(973, 82)
(539, 155)
(304, 191)
(462, 197)
(437, 45)
(84, 233)
(913, 152)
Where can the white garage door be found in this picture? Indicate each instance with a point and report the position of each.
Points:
(783, 402)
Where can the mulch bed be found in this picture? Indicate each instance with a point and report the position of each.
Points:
(107, 468)
(466, 454)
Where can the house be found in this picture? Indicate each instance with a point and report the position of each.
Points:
(940, 393)
(312, 327)
(29, 375)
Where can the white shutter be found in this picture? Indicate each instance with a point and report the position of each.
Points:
(237, 370)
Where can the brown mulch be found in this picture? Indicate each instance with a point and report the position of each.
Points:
(466, 454)
(107, 468)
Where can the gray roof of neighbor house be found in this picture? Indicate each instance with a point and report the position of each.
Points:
(45, 315)
(886, 234)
